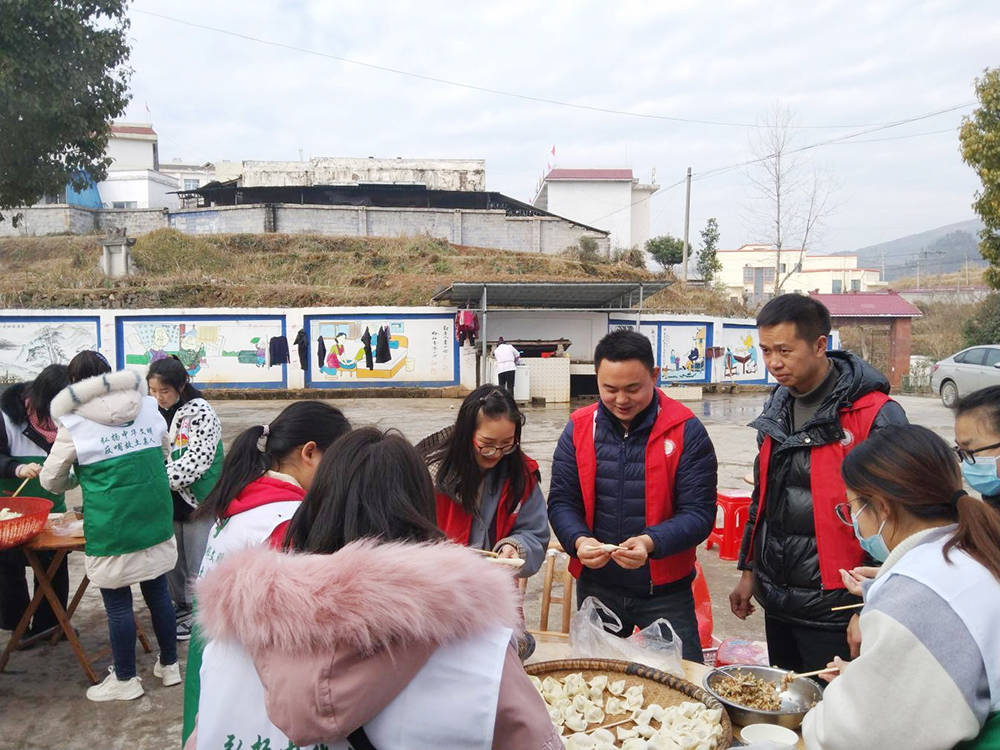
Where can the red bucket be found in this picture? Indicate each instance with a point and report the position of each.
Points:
(34, 512)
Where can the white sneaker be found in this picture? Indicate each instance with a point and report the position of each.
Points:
(113, 689)
(169, 673)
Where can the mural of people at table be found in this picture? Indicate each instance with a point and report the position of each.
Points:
(742, 361)
(686, 347)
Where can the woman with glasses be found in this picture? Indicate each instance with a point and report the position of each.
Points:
(977, 441)
(488, 493)
(928, 674)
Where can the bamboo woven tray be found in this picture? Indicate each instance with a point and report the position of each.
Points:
(658, 687)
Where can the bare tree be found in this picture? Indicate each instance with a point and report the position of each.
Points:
(794, 196)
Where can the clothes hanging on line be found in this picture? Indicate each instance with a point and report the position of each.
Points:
(320, 351)
(366, 339)
(466, 327)
(303, 345)
(278, 351)
(382, 353)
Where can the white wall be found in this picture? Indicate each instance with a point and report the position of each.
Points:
(582, 328)
(600, 204)
(129, 153)
(145, 188)
(640, 215)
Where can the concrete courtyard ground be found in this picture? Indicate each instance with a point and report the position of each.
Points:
(42, 703)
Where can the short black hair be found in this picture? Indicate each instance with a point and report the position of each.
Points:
(985, 399)
(87, 364)
(44, 388)
(624, 344)
(810, 316)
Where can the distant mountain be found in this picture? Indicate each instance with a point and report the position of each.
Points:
(941, 250)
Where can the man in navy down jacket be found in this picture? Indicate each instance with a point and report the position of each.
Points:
(633, 493)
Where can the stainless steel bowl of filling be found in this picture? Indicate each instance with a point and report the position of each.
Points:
(745, 688)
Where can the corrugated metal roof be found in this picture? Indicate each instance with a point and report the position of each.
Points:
(578, 295)
(589, 174)
(868, 305)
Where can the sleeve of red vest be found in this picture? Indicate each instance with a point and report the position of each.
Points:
(566, 513)
(695, 485)
(744, 559)
(891, 413)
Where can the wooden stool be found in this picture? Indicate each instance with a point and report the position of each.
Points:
(554, 553)
(729, 536)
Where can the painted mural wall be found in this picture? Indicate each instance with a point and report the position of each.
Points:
(29, 344)
(740, 358)
(356, 350)
(222, 351)
(680, 348)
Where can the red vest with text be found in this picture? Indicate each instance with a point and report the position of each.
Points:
(456, 523)
(836, 544)
(663, 454)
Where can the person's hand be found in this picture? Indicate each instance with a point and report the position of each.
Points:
(831, 676)
(590, 553)
(854, 635)
(636, 552)
(739, 599)
(854, 577)
(507, 552)
(28, 471)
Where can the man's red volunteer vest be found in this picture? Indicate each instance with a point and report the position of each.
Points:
(663, 454)
(457, 524)
(835, 543)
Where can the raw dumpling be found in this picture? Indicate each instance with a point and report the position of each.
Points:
(580, 741)
(603, 735)
(635, 743)
(615, 706)
(593, 714)
(580, 702)
(556, 716)
(617, 687)
(645, 731)
(626, 734)
(536, 682)
(575, 684)
(576, 722)
(657, 711)
(600, 682)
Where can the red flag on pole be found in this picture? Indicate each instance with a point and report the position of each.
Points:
(553, 150)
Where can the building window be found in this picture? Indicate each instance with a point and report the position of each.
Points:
(769, 274)
(747, 275)
(855, 285)
(782, 267)
(838, 286)
(190, 184)
(125, 204)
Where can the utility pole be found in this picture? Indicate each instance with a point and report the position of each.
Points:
(967, 269)
(883, 265)
(687, 226)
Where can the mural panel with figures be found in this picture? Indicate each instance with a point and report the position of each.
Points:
(29, 344)
(682, 351)
(740, 357)
(359, 350)
(216, 350)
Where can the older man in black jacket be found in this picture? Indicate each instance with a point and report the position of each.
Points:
(795, 546)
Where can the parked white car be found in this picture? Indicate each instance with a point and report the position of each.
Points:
(966, 371)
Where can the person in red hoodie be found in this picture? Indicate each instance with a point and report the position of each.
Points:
(267, 472)
(376, 631)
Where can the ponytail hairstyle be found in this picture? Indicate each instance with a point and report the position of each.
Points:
(44, 388)
(914, 471)
(373, 485)
(172, 372)
(458, 474)
(87, 364)
(260, 448)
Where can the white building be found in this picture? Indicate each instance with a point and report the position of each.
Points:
(434, 174)
(749, 273)
(134, 178)
(610, 199)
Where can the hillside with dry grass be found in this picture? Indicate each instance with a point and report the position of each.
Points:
(276, 270)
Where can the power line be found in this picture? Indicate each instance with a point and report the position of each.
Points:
(474, 87)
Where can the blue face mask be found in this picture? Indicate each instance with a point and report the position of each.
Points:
(982, 475)
(874, 545)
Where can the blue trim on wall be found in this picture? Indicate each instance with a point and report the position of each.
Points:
(760, 362)
(311, 382)
(120, 343)
(57, 319)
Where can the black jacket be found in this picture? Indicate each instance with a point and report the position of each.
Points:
(785, 561)
(12, 404)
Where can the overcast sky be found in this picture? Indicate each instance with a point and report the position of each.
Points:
(213, 96)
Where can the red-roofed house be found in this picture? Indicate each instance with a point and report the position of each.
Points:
(611, 199)
(877, 309)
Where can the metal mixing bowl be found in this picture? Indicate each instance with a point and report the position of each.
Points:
(800, 695)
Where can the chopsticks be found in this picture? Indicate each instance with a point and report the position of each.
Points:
(796, 675)
(859, 605)
(23, 485)
(486, 552)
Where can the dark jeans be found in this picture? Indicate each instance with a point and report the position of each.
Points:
(121, 624)
(801, 648)
(676, 604)
(507, 379)
(14, 597)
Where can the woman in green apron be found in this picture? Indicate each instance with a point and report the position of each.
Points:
(25, 441)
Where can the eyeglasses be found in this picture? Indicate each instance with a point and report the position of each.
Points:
(488, 451)
(968, 456)
(844, 513)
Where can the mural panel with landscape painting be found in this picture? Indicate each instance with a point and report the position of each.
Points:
(220, 351)
(29, 344)
(360, 350)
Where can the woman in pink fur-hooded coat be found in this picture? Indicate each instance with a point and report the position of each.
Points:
(372, 633)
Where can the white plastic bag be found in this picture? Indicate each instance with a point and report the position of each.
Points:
(591, 636)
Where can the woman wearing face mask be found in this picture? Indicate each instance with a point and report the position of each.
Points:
(487, 488)
(977, 439)
(930, 643)
(193, 468)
